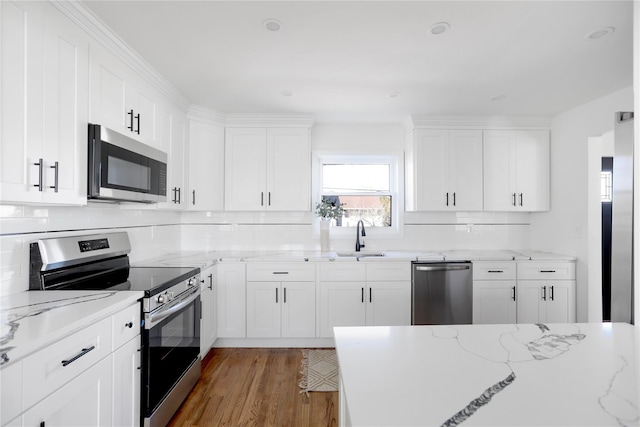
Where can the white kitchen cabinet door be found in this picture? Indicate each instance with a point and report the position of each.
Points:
(288, 169)
(494, 302)
(127, 378)
(206, 166)
(341, 304)
(208, 321)
(231, 281)
(432, 169)
(44, 79)
(298, 309)
(263, 309)
(516, 170)
(561, 307)
(245, 169)
(66, 111)
(84, 401)
(530, 301)
(388, 303)
(447, 170)
(465, 170)
(173, 123)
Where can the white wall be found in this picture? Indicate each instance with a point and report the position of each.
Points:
(564, 228)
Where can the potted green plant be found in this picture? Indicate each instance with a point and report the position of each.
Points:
(327, 211)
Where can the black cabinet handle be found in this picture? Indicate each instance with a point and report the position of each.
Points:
(520, 199)
(194, 197)
(55, 177)
(285, 295)
(79, 355)
(447, 203)
(362, 295)
(211, 281)
(513, 293)
(547, 271)
(179, 195)
(138, 120)
(496, 271)
(40, 165)
(551, 293)
(269, 199)
(454, 199)
(276, 295)
(130, 127)
(514, 199)
(129, 325)
(369, 294)
(262, 198)
(544, 293)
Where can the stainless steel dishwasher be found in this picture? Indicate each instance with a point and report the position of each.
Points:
(441, 293)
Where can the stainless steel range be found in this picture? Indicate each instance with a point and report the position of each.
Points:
(170, 328)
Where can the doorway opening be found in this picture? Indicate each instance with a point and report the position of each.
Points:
(606, 197)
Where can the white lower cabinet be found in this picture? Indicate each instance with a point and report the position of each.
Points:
(544, 301)
(89, 378)
(208, 321)
(367, 295)
(84, 401)
(231, 313)
(494, 292)
(524, 292)
(281, 300)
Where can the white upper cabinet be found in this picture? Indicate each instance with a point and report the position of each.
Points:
(267, 169)
(120, 100)
(44, 81)
(516, 170)
(206, 166)
(445, 170)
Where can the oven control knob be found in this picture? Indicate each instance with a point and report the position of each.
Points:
(190, 282)
(162, 298)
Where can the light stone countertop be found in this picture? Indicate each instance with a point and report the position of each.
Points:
(491, 375)
(31, 320)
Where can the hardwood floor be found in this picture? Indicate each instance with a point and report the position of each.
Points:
(255, 387)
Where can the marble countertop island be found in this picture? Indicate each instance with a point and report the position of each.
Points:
(490, 375)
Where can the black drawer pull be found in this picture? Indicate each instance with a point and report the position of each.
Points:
(79, 355)
(496, 271)
(547, 271)
(129, 325)
(280, 272)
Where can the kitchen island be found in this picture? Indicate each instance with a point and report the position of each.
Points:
(490, 375)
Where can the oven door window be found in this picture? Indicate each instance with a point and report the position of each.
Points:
(172, 346)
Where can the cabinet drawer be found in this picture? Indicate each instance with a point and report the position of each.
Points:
(342, 271)
(126, 325)
(281, 272)
(491, 270)
(546, 270)
(44, 371)
(385, 271)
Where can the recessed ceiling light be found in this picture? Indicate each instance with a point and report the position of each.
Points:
(439, 28)
(271, 24)
(598, 34)
(498, 97)
(286, 93)
(393, 95)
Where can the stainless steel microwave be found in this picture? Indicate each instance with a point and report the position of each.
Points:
(123, 169)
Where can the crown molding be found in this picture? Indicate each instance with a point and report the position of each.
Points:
(207, 115)
(479, 122)
(269, 120)
(96, 28)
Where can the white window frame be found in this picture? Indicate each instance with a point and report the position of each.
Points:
(396, 189)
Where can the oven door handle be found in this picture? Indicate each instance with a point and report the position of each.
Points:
(155, 318)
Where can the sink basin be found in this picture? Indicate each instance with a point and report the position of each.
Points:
(360, 254)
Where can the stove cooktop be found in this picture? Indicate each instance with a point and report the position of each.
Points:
(153, 280)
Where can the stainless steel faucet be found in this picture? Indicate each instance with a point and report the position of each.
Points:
(358, 234)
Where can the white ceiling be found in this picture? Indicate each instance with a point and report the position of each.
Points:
(340, 59)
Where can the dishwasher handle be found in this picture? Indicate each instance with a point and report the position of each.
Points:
(442, 267)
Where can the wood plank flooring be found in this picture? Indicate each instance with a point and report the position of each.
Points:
(255, 387)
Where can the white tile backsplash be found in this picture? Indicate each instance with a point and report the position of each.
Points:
(155, 232)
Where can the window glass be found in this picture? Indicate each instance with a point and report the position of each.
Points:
(363, 190)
